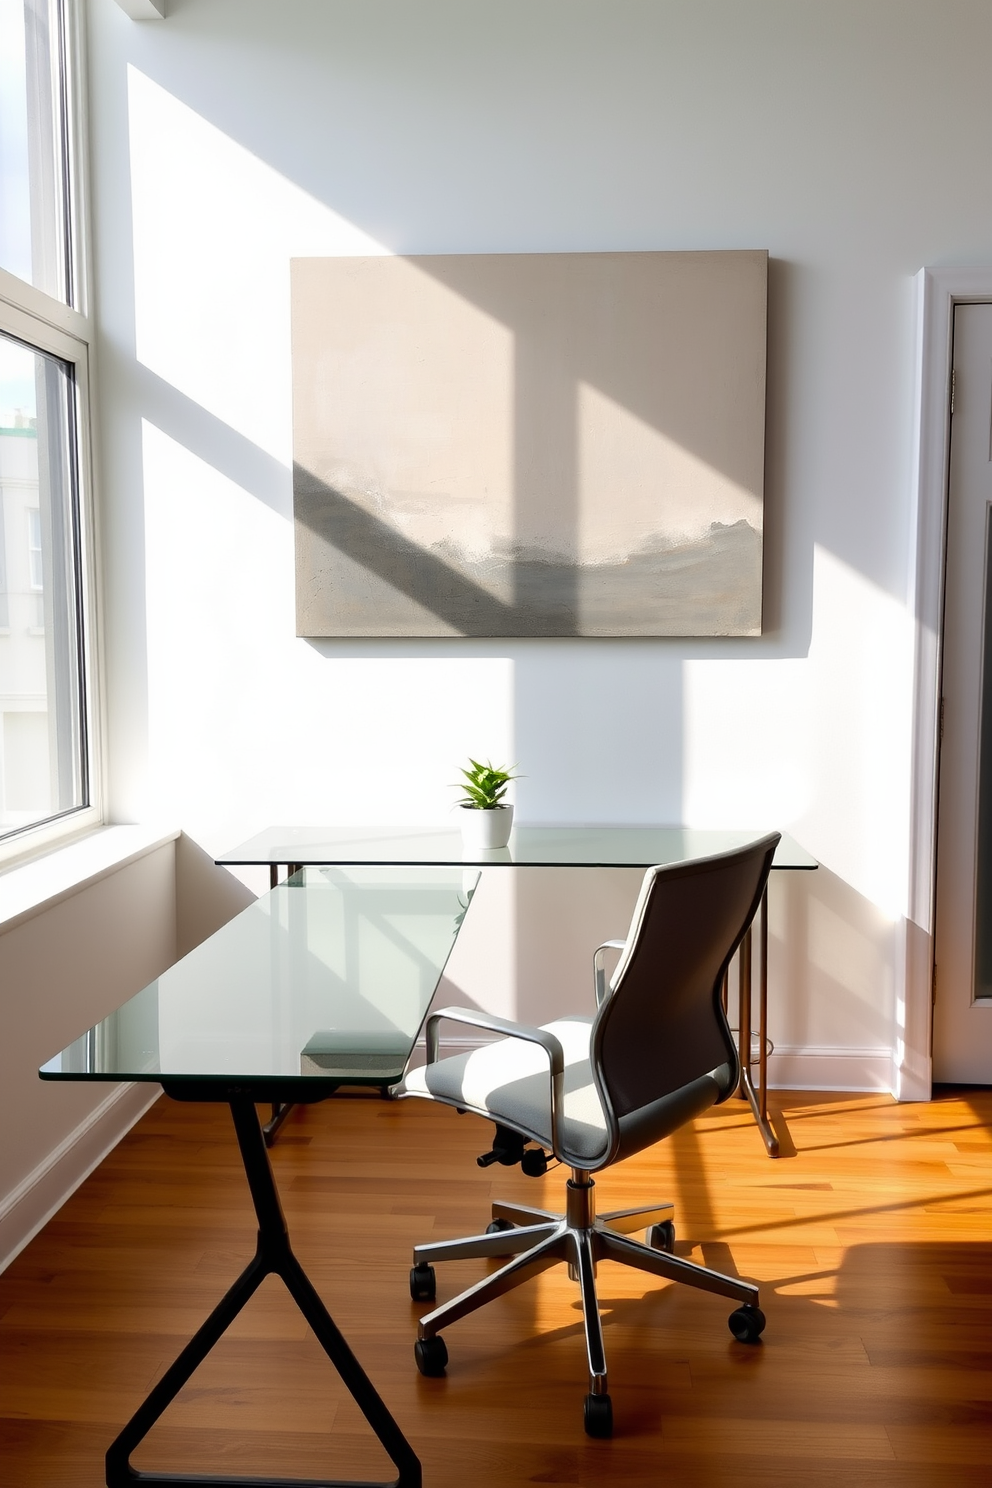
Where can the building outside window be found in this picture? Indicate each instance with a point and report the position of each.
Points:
(48, 773)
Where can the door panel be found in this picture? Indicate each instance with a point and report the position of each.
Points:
(962, 1039)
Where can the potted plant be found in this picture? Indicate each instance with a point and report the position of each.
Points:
(486, 818)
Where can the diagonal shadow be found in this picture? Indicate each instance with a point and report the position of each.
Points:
(607, 348)
(897, 1206)
(356, 541)
(212, 440)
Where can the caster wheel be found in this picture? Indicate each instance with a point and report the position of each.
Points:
(598, 1415)
(431, 1355)
(498, 1227)
(747, 1324)
(662, 1236)
(423, 1283)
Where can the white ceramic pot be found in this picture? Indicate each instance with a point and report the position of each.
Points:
(485, 829)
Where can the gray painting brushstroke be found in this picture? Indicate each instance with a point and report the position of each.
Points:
(357, 576)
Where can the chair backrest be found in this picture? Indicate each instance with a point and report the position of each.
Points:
(662, 1026)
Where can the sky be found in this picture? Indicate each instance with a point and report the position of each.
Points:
(17, 384)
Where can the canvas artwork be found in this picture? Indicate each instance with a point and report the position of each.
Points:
(560, 444)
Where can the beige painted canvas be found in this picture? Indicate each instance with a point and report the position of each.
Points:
(560, 444)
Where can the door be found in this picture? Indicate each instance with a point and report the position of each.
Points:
(962, 1035)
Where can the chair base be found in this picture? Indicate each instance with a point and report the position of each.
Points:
(540, 1239)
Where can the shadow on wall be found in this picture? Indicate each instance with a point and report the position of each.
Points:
(206, 896)
(527, 953)
(604, 746)
(562, 916)
(599, 741)
(831, 996)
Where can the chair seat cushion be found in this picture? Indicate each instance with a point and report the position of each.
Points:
(509, 1080)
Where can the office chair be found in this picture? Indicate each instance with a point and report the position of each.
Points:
(657, 1053)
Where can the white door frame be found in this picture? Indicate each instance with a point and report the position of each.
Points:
(939, 290)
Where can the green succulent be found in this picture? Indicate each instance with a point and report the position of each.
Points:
(484, 785)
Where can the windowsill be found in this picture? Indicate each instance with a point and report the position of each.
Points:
(28, 888)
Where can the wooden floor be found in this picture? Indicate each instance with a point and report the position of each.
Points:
(872, 1246)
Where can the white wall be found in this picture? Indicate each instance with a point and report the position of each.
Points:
(80, 932)
(850, 139)
(61, 970)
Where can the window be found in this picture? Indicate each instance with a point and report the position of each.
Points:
(47, 770)
(35, 226)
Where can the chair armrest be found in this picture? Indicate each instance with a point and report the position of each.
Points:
(598, 968)
(549, 1043)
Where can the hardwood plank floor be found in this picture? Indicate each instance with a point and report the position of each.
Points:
(872, 1246)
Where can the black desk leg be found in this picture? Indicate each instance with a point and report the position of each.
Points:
(273, 1254)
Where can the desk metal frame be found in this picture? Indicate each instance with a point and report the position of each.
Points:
(756, 1094)
(279, 987)
(273, 1256)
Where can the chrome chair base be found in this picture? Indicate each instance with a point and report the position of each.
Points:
(538, 1239)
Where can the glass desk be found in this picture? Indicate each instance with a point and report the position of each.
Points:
(530, 847)
(314, 986)
(551, 847)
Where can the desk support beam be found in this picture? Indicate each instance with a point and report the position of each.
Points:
(756, 1096)
(273, 1255)
(280, 1109)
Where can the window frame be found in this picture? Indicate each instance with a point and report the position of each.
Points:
(66, 331)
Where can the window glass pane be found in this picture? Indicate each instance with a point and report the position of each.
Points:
(34, 183)
(42, 739)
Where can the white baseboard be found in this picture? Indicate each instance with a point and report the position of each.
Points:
(790, 1067)
(29, 1206)
(805, 1068)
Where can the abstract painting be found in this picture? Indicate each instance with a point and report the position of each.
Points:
(546, 444)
